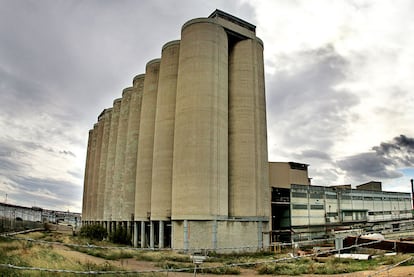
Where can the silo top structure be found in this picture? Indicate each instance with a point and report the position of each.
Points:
(234, 25)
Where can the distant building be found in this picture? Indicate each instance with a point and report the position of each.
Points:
(372, 185)
(68, 218)
(301, 211)
(15, 213)
(20, 213)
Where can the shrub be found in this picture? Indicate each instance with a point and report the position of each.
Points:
(120, 236)
(93, 232)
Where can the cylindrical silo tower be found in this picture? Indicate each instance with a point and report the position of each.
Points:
(110, 163)
(164, 141)
(92, 170)
(121, 143)
(200, 162)
(86, 181)
(130, 167)
(146, 142)
(248, 170)
(164, 133)
(106, 121)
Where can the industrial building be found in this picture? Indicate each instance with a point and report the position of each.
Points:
(15, 217)
(181, 161)
(303, 212)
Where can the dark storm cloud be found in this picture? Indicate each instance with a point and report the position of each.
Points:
(400, 150)
(384, 162)
(305, 110)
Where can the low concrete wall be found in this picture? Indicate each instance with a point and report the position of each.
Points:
(220, 235)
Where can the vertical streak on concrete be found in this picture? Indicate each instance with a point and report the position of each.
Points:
(260, 234)
(164, 133)
(130, 166)
(110, 191)
(87, 178)
(186, 234)
(214, 242)
(121, 143)
(146, 142)
(106, 121)
(248, 166)
(200, 171)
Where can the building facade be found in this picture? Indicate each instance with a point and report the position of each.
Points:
(301, 211)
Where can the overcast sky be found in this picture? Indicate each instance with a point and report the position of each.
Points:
(339, 85)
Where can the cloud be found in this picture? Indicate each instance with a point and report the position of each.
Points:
(338, 78)
(400, 150)
(384, 162)
(305, 110)
(70, 153)
(48, 191)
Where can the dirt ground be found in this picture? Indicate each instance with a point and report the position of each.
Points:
(134, 265)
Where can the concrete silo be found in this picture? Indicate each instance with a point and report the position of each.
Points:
(105, 116)
(87, 178)
(110, 164)
(146, 146)
(130, 166)
(248, 171)
(164, 142)
(94, 169)
(200, 177)
(121, 142)
(190, 153)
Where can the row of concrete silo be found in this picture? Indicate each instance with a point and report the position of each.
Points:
(186, 147)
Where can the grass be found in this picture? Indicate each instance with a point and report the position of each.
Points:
(31, 254)
(112, 254)
(331, 266)
(28, 254)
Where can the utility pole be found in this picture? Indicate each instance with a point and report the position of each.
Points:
(412, 191)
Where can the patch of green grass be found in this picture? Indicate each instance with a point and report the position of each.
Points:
(175, 265)
(101, 267)
(107, 254)
(223, 270)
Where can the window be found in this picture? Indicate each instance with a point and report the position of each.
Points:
(300, 206)
(317, 207)
(331, 196)
(331, 214)
(299, 194)
(316, 196)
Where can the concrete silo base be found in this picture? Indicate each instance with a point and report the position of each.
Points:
(221, 235)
